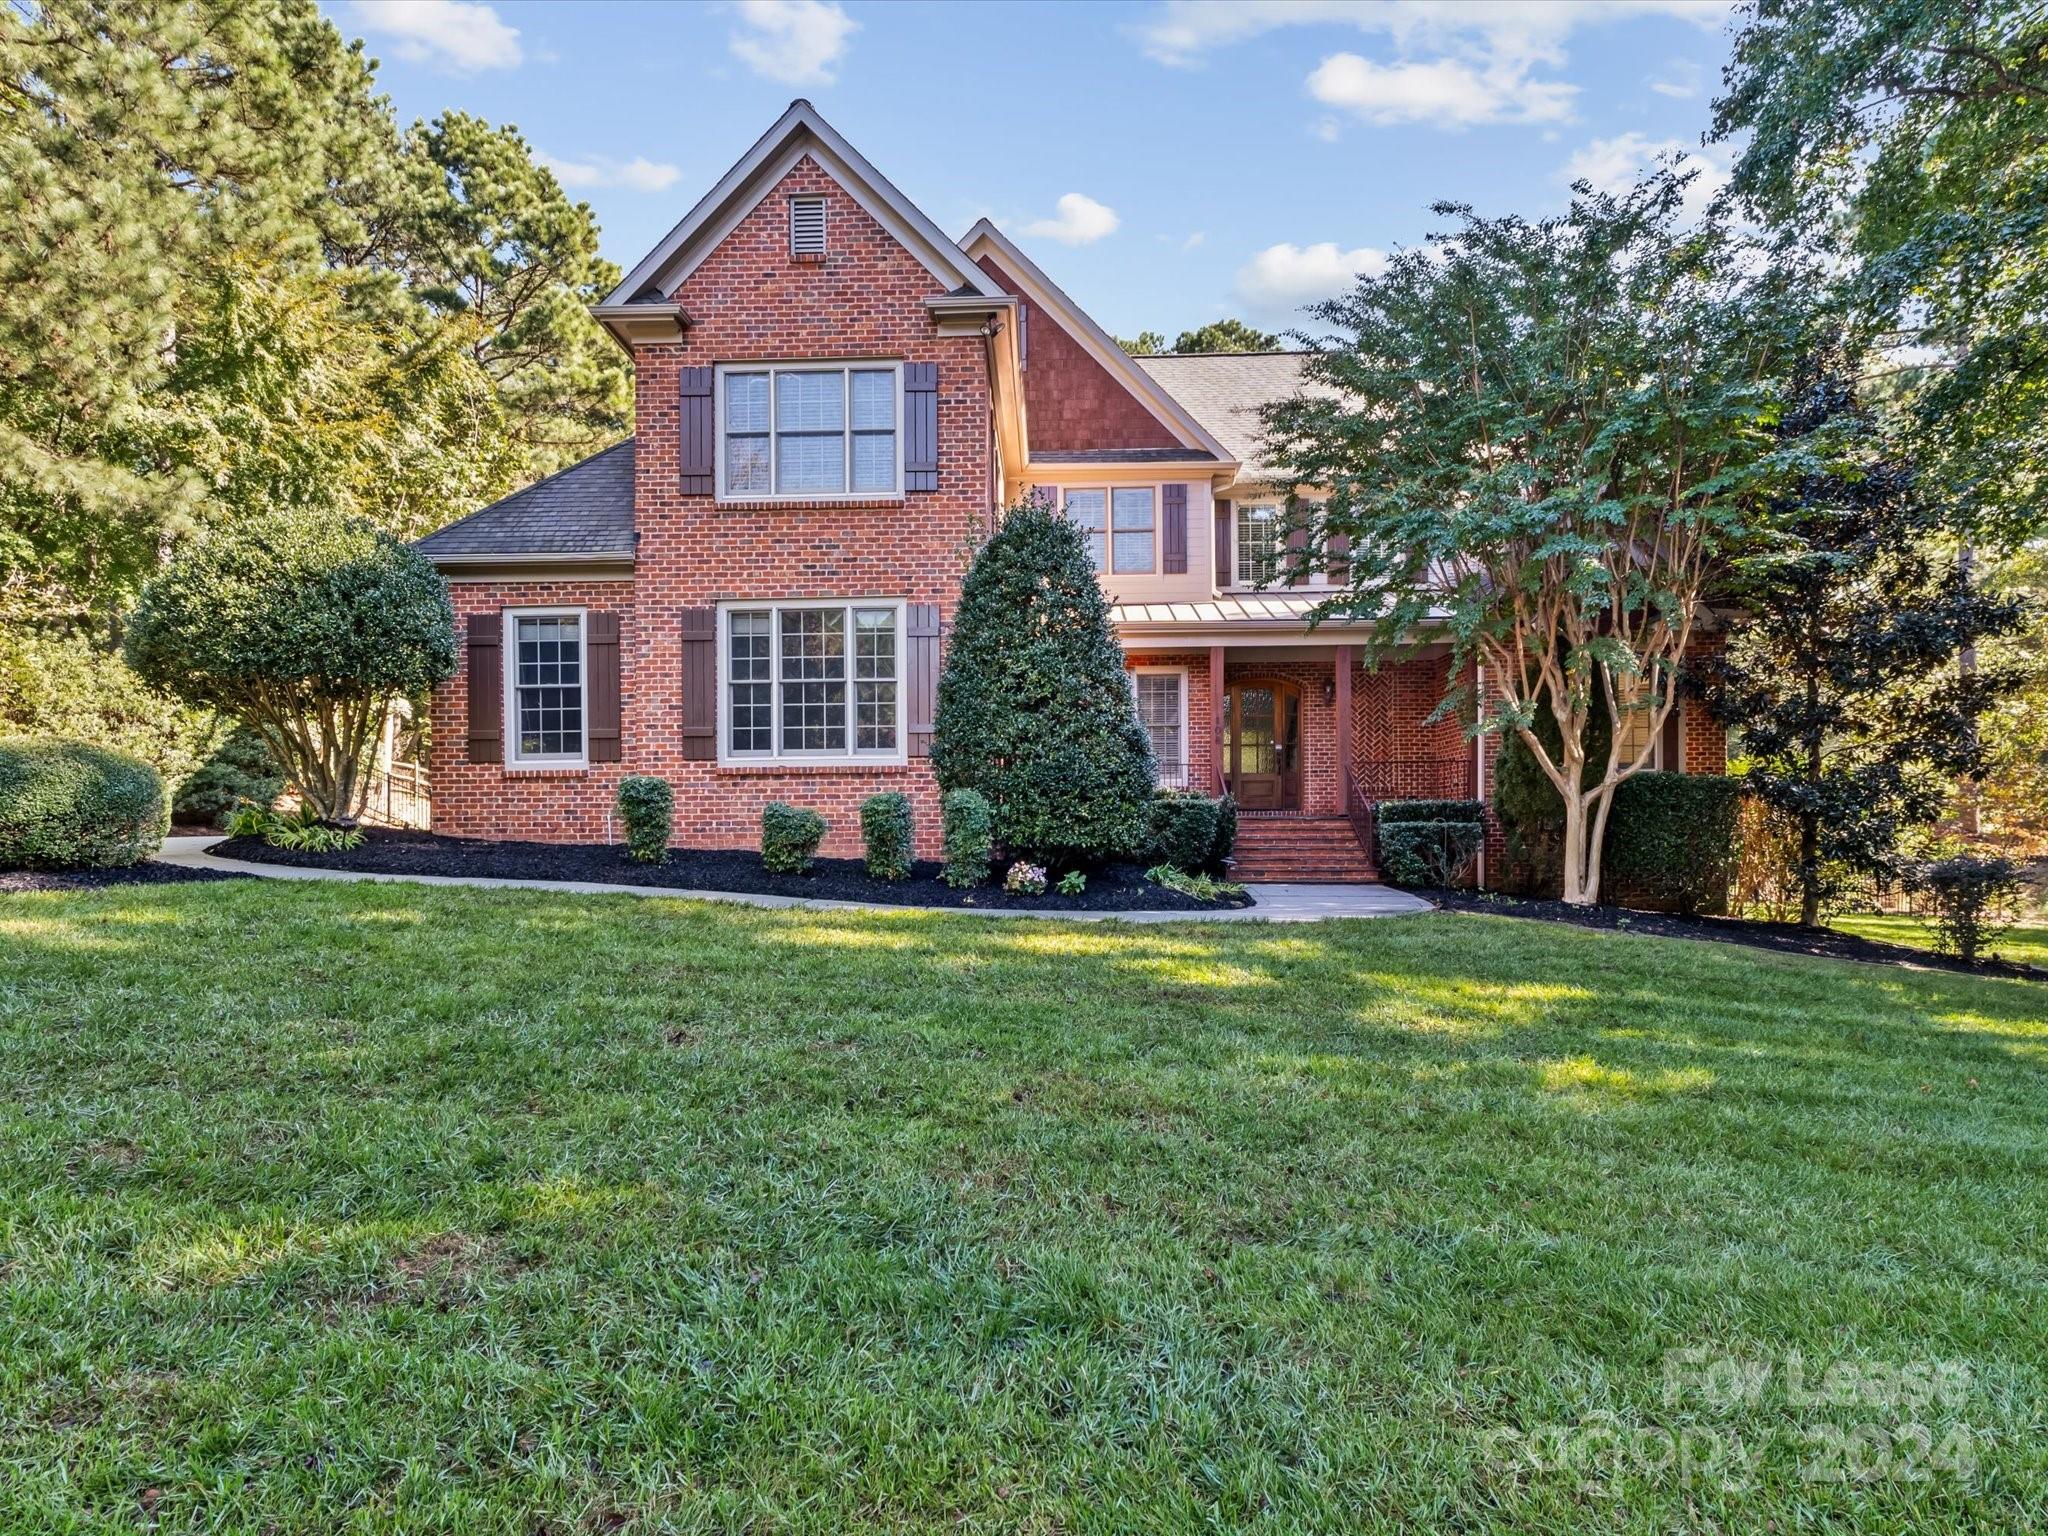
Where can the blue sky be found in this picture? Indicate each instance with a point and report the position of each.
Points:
(1167, 162)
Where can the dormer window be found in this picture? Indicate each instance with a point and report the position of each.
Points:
(807, 226)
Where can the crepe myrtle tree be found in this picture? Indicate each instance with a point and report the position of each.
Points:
(304, 627)
(1539, 440)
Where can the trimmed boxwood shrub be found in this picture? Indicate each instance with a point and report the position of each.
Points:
(789, 837)
(1226, 833)
(888, 833)
(647, 809)
(1972, 898)
(241, 771)
(1428, 842)
(1428, 810)
(1035, 708)
(67, 805)
(969, 829)
(1184, 830)
(1671, 841)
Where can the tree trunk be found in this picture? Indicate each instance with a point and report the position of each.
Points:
(1809, 869)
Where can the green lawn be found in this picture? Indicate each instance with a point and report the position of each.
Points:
(2025, 942)
(384, 1207)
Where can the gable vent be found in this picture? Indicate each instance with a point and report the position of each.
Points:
(807, 226)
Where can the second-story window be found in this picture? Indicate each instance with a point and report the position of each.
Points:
(802, 431)
(1260, 544)
(1121, 525)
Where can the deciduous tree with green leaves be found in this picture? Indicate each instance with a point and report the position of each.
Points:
(1540, 440)
(1913, 139)
(304, 627)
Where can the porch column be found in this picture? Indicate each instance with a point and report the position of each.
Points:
(1342, 662)
(1219, 701)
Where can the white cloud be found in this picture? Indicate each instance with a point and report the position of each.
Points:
(1280, 279)
(1455, 62)
(1194, 240)
(1616, 164)
(1674, 88)
(798, 42)
(1447, 92)
(461, 35)
(636, 175)
(1080, 220)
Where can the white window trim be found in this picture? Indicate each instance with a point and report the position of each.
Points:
(1109, 490)
(847, 367)
(1316, 578)
(514, 758)
(775, 756)
(1187, 773)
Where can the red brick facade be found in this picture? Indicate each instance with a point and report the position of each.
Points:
(750, 301)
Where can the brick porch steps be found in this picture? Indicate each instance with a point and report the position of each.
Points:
(1305, 850)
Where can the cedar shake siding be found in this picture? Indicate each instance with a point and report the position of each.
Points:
(1075, 404)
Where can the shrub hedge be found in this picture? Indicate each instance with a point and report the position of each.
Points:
(969, 829)
(1671, 841)
(1972, 898)
(1184, 830)
(888, 832)
(647, 809)
(1428, 842)
(67, 805)
(789, 837)
(1226, 833)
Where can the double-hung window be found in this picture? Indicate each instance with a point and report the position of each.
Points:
(802, 431)
(812, 682)
(1261, 544)
(1121, 525)
(1161, 695)
(545, 684)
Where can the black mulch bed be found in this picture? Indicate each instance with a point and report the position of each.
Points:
(13, 881)
(1789, 938)
(1116, 888)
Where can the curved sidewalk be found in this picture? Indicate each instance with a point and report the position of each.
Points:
(1275, 903)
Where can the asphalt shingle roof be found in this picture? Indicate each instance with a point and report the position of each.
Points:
(586, 509)
(1120, 455)
(1224, 390)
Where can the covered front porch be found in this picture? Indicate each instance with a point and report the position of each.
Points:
(1301, 732)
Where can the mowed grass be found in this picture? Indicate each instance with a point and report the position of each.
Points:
(383, 1207)
(2025, 942)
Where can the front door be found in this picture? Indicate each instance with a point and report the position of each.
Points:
(1262, 746)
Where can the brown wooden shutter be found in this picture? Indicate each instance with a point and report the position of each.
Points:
(1173, 532)
(1223, 550)
(487, 687)
(601, 673)
(1340, 559)
(1673, 761)
(1297, 551)
(922, 674)
(698, 432)
(920, 426)
(700, 684)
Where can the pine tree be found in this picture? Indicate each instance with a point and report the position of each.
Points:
(1844, 680)
(1035, 707)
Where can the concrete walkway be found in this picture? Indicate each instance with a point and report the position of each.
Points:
(1276, 903)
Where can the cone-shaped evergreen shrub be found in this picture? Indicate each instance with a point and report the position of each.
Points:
(1035, 711)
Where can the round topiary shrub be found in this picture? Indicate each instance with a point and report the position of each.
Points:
(789, 838)
(1035, 708)
(66, 805)
(647, 812)
(888, 833)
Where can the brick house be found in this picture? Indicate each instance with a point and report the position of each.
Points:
(749, 597)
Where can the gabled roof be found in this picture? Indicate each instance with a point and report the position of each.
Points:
(1225, 390)
(584, 512)
(1043, 292)
(799, 132)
